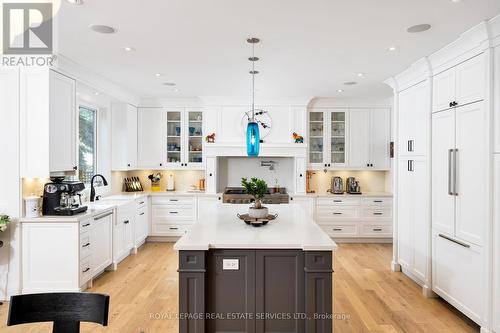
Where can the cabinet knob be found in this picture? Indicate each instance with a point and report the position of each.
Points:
(75, 168)
(126, 221)
(210, 175)
(451, 104)
(161, 164)
(128, 164)
(300, 175)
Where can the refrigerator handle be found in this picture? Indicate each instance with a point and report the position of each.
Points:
(450, 169)
(455, 167)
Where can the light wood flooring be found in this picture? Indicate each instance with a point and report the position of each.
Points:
(368, 296)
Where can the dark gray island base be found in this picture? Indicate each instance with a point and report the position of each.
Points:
(255, 291)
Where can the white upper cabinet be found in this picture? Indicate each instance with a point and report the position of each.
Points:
(183, 130)
(414, 120)
(62, 135)
(124, 136)
(149, 138)
(460, 85)
(359, 138)
(300, 175)
(380, 138)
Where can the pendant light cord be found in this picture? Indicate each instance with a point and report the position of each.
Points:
(253, 82)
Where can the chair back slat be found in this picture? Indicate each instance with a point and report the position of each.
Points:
(64, 309)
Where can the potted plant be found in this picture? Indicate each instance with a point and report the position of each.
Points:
(4, 220)
(257, 188)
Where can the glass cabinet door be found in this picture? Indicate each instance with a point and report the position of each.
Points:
(316, 131)
(195, 137)
(337, 137)
(174, 137)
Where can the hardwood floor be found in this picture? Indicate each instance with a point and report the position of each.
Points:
(368, 297)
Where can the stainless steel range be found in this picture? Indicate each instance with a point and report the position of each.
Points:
(236, 195)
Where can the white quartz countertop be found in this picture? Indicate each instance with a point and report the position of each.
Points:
(222, 229)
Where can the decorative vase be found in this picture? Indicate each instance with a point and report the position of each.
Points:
(258, 213)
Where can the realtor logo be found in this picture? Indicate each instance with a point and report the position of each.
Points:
(27, 28)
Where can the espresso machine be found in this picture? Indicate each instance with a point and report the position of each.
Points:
(352, 186)
(62, 198)
(337, 186)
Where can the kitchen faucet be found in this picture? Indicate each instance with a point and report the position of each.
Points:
(92, 188)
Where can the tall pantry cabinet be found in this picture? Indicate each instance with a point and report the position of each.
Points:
(413, 186)
(461, 166)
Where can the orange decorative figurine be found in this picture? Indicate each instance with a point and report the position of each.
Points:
(210, 138)
(298, 138)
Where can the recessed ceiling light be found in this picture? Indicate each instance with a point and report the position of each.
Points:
(158, 74)
(361, 74)
(340, 90)
(96, 93)
(103, 29)
(350, 83)
(455, 1)
(169, 84)
(391, 48)
(418, 28)
(75, 2)
(176, 90)
(129, 48)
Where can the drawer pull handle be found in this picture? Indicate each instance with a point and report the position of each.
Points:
(378, 201)
(454, 241)
(337, 200)
(85, 225)
(377, 213)
(173, 212)
(86, 270)
(85, 245)
(337, 213)
(337, 229)
(141, 203)
(103, 216)
(173, 199)
(377, 229)
(126, 221)
(172, 228)
(140, 214)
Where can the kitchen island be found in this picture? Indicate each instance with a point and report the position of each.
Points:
(234, 277)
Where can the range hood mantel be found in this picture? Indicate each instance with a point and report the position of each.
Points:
(266, 150)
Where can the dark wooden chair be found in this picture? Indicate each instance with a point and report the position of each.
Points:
(66, 310)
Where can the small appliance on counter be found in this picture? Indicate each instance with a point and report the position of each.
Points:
(337, 186)
(352, 186)
(31, 206)
(62, 198)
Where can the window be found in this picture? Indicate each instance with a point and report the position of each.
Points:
(87, 150)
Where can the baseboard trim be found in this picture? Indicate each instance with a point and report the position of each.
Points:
(395, 267)
(363, 240)
(428, 292)
(162, 239)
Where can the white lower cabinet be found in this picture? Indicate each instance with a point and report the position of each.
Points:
(102, 246)
(64, 256)
(496, 243)
(307, 203)
(206, 204)
(141, 223)
(172, 215)
(413, 218)
(457, 274)
(123, 232)
(360, 217)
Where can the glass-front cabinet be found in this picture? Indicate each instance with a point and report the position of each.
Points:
(184, 139)
(327, 138)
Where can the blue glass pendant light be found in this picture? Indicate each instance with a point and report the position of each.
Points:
(253, 135)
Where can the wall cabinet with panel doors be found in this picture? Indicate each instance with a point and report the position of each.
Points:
(211, 183)
(460, 206)
(369, 138)
(62, 122)
(413, 218)
(123, 136)
(414, 120)
(460, 85)
(183, 133)
(150, 152)
(328, 133)
(300, 175)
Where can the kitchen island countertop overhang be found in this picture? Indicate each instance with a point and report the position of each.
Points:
(220, 228)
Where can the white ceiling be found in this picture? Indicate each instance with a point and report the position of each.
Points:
(308, 48)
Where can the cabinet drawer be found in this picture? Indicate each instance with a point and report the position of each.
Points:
(85, 245)
(374, 230)
(338, 201)
(377, 202)
(333, 212)
(377, 213)
(170, 229)
(85, 270)
(166, 213)
(173, 200)
(341, 230)
(85, 225)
